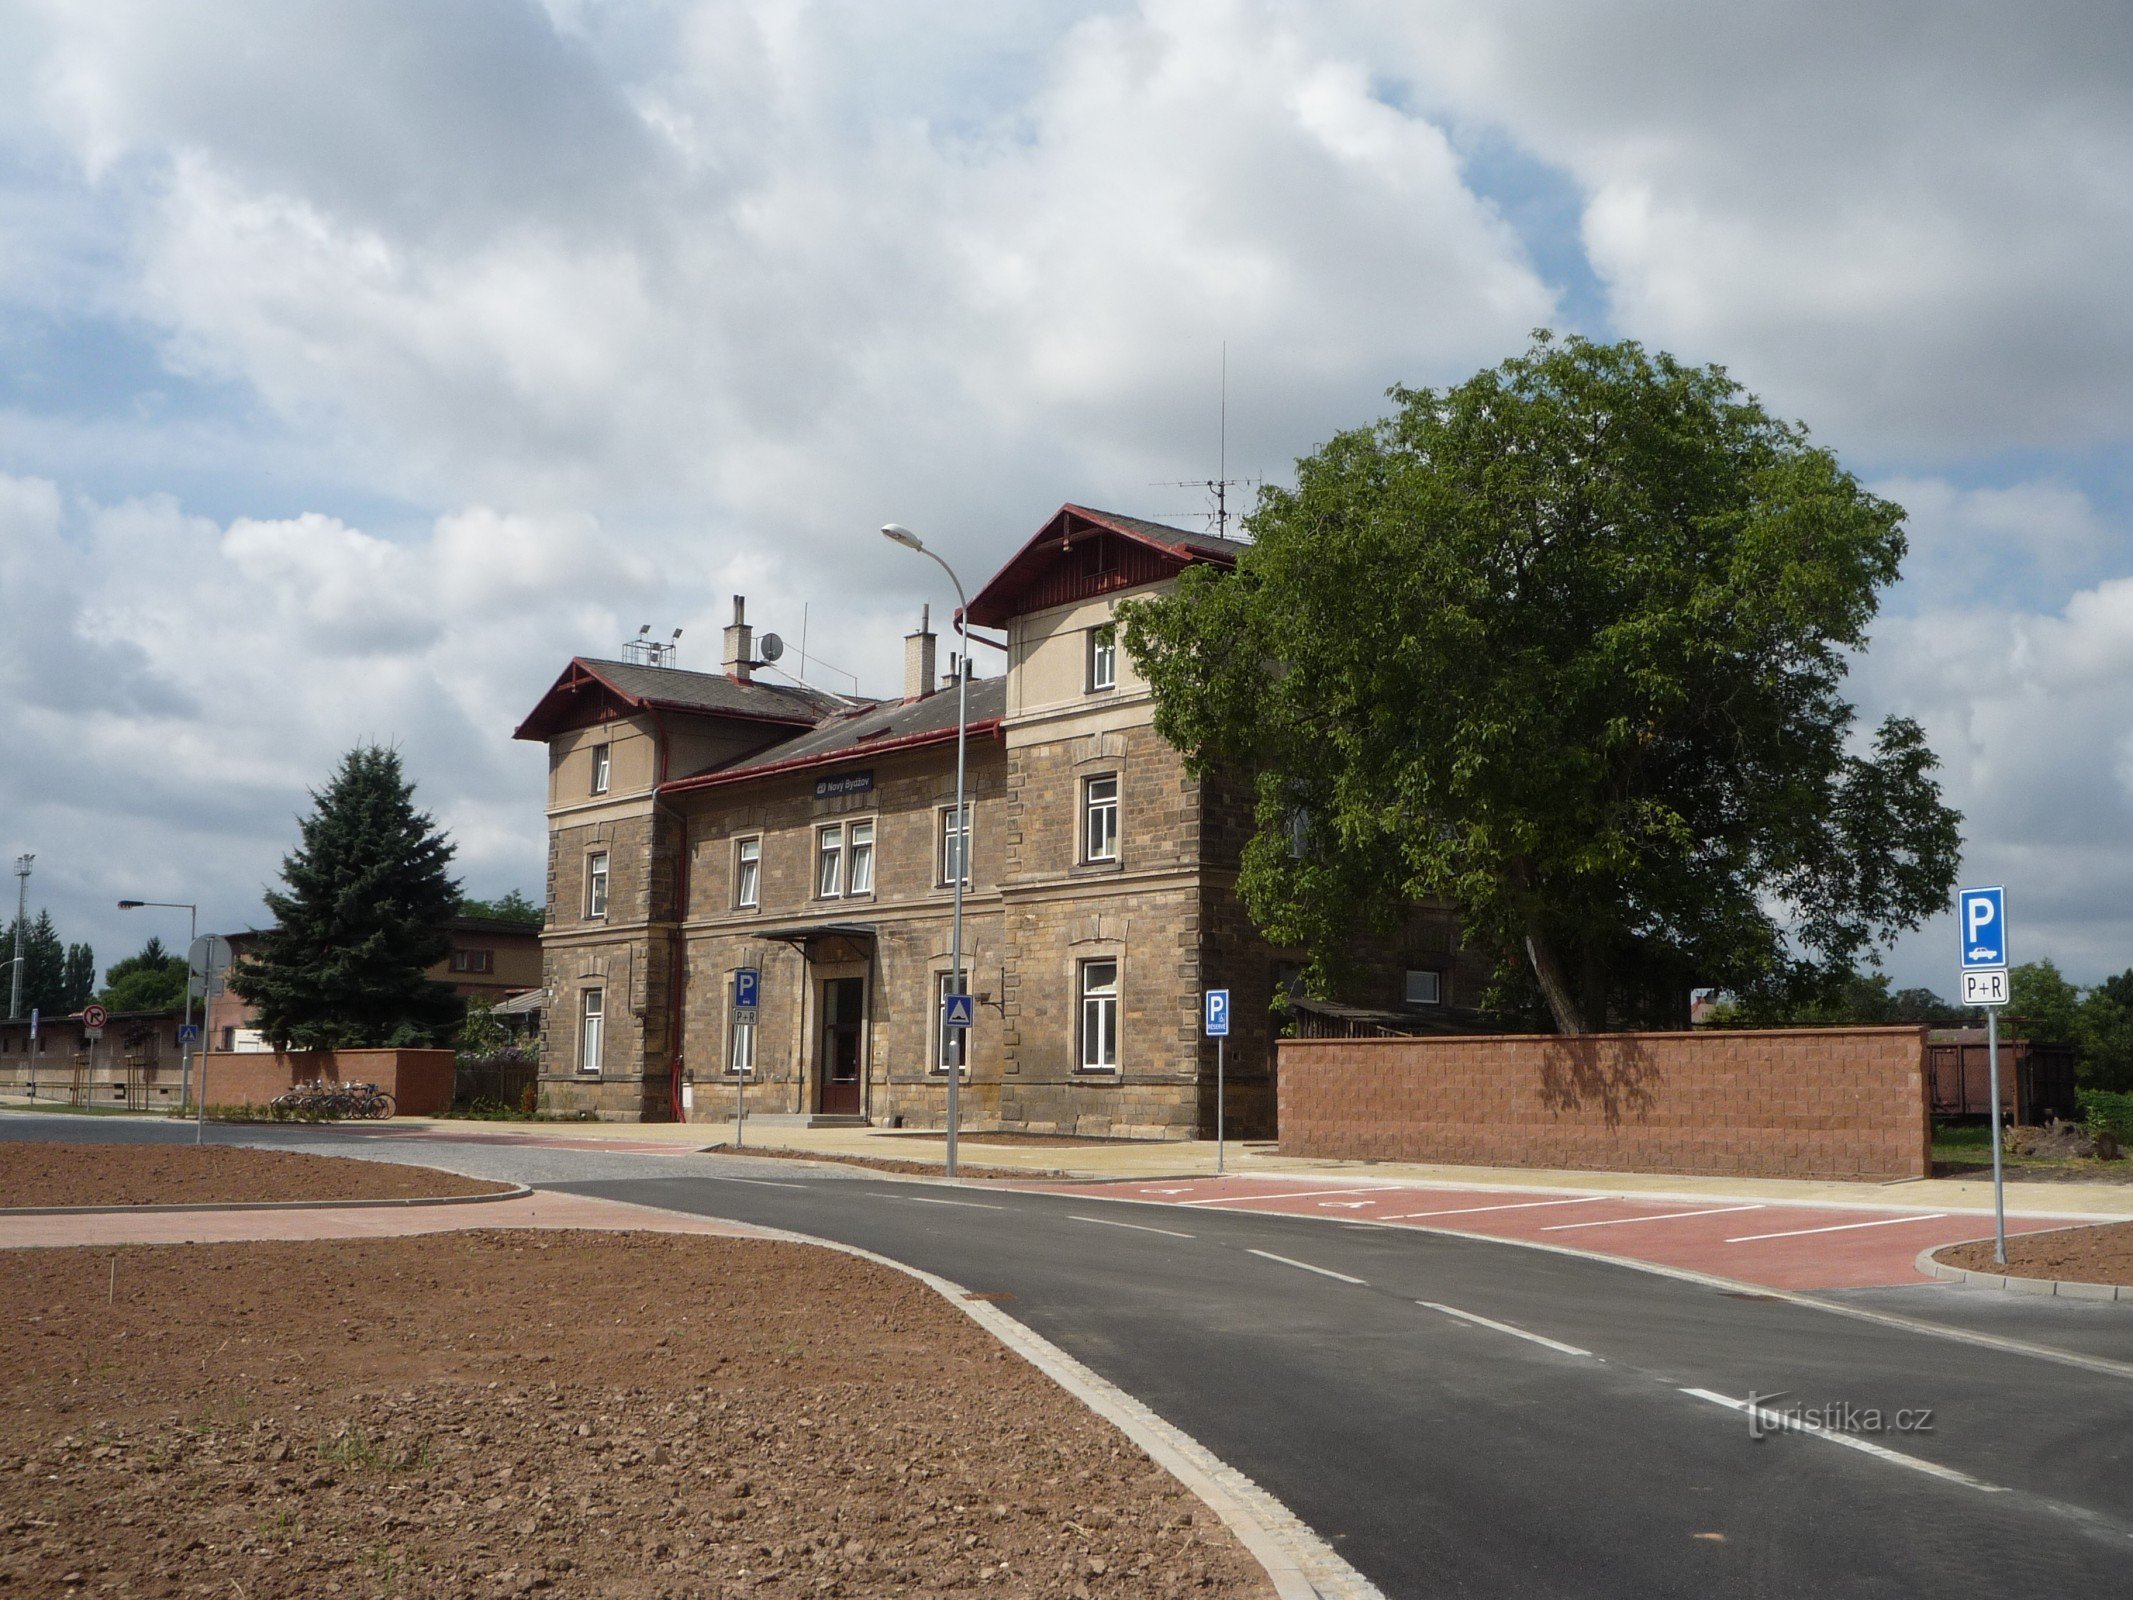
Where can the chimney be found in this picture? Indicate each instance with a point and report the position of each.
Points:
(918, 657)
(740, 644)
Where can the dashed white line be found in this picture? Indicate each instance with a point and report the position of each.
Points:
(1778, 1422)
(1300, 1194)
(1841, 1227)
(928, 1200)
(1664, 1216)
(1137, 1227)
(1323, 1272)
(1513, 1205)
(1505, 1327)
(760, 1183)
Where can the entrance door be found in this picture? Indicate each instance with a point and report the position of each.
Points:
(844, 1002)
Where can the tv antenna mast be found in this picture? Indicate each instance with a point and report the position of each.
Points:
(1219, 486)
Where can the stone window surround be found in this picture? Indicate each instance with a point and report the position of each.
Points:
(1083, 957)
(1085, 815)
(755, 900)
(592, 1029)
(942, 812)
(1107, 763)
(596, 905)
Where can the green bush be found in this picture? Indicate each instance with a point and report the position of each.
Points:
(2108, 1111)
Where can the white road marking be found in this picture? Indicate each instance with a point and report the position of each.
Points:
(1778, 1422)
(1513, 1205)
(1323, 1272)
(1505, 1327)
(1664, 1216)
(1841, 1227)
(760, 1183)
(1300, 1194)
(928, 1200)
(1137, 1227)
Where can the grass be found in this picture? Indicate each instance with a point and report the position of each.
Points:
(1968, 1146)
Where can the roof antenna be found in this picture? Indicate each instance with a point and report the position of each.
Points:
(1221, 483)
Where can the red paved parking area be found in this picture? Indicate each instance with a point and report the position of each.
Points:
(1777, 1244)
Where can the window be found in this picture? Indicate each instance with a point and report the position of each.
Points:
(601, 767)
(952, 1046)
(740, 1050)
(590, 1013)
(955, 844)
(1103, 657)
(1099, 1016)
(829, 862)
(1299, 833)
(229, 1040)
(473, 960)
(859, 872)
(1099, 819)
(596, 884)
(1424, 988)
(747, 872)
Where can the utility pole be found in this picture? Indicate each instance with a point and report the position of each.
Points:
(22, 917)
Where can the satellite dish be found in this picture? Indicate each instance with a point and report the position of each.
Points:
(772, 647)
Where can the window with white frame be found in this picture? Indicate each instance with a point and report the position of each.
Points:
(747, 872)
(740, 1048)
(829, 861)
(601, 767)
(1425, 987)
(1099, 818)
(955, 844)
(951, 1046)
(1103, 657)
(859, 854)
(1099, 1015)
(596, 884)
(592, 1006)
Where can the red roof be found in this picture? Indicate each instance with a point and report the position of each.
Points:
(1081, 554)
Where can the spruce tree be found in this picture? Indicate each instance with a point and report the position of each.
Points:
(44, 968)
(366, 911)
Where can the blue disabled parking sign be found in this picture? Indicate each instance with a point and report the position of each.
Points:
(1983, 915)
(959, 1011)
(1218, 1013)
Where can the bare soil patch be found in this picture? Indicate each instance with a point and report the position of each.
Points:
(2102, 1254)
(190, 1174)
(505, 1413)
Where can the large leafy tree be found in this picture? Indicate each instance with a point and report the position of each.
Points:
(367, 900)
(153, 980)
(513, 907)
(1563, 646)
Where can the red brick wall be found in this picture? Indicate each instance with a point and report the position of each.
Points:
(1787, 1103)
(420, 1081)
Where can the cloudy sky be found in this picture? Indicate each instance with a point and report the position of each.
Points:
(360, 362)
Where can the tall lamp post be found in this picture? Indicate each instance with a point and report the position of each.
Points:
(192, 934)
(902, 535)
(22, 917)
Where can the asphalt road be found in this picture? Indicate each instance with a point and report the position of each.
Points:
(1388, 1386)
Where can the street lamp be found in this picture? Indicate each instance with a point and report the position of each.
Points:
(22, 919)
(192, 935)
(897, 533)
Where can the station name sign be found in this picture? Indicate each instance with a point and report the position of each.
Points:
(844, 783)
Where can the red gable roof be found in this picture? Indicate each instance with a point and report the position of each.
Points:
(1081, 554)
(592, 691)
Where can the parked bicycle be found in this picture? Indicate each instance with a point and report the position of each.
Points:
(328, 1099)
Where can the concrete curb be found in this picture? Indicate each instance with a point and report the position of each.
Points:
(1929, 1263)
(518, 1191)
(1300, 1564)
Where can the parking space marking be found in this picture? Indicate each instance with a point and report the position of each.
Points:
(1841, 1227)
(760, 1183)
(1664, 1216)
(1778, 1422)
(1514, 1205)
(1323, 1272)
(1137, 1227)
(928, 1200)
(1505, 1327)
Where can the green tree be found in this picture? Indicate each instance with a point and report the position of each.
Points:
(2106, 1025)
(153, 980)
(57, 978)
(2043, 1004)
(1562, 646)
(365, 912)
(79, 979)
(513, 907)
(1852, 1000)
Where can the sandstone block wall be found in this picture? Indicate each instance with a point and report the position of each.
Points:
(1791, 1103)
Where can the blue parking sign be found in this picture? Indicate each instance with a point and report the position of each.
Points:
(747, 983)
(1218, 1013)
(1983, 916)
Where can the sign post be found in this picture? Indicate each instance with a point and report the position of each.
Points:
(1983, 915)
(1217, 1001)
(747, 996)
